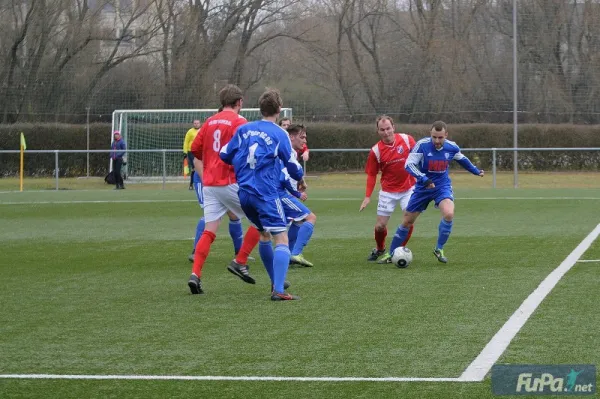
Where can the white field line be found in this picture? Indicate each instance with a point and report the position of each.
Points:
(588, 260)
(134, 201)
(479, 368)
(224, 378)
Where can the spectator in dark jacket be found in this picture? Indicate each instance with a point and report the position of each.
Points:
(117, 154)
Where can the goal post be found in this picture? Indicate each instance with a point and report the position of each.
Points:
(151, 131)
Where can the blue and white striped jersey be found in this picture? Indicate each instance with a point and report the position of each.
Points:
(255, 151)
(425, 162)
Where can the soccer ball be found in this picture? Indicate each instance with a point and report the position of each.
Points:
(402, 257)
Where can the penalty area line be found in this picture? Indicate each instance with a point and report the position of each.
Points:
(223, 378)
(483, 363)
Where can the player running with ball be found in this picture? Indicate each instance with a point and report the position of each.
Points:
(429, 162)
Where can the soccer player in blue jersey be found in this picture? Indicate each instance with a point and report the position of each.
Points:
(302, 220)
(428, 162)
(254, 152)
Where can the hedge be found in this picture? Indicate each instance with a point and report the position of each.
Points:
(320, 135)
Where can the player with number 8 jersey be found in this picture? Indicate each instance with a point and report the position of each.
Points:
(214, 134)
(220, 189)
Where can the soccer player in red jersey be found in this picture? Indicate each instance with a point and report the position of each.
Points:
(220, 189)
(388, 156)
(304, 152)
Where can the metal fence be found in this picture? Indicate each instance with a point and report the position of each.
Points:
(164, 177)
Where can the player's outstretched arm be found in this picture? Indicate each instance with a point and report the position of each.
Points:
(467, 164)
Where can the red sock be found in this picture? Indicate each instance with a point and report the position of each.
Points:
(380, 238)
(202, 250)
(410, 230)
(250, 240)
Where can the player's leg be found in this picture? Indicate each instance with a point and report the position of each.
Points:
(248, 244)
(273, 220)
(235, 231)
(250, 205)
(199, 230)
(417, 203)
(297, 211)
(265, 250)
(445, 228)
(380, 235)
(401, 234)
(201, 222)
(229, 197)
(281, 260)
(385, 208)
(213, 212)
(304, 235)
(404, 199)
(192, 169)
(293, 232)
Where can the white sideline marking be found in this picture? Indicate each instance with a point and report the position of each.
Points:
(588, 260)
(133, 201)
(478, 369)
(224, 378)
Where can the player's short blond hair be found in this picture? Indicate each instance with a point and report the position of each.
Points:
(270, 102)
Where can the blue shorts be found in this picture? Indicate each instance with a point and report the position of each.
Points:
(294, 209)
(198, 189)
(421, 197)
(266, 214)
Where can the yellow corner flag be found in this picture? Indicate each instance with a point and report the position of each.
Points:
(186, 167)
(23, 148)
(23, 144)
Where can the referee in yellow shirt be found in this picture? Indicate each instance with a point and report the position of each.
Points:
(187, 146)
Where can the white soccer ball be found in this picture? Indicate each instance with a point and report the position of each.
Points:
(402, 257)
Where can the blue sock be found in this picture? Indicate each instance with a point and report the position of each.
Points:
(237, 234)
(281, 262)
(265, 249)
(293, 235)
(199, 231)
(444, 229)
(399, 237)
(304, 234)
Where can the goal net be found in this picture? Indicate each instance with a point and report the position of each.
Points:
(157, 136)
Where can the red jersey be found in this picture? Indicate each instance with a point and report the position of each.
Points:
(302, 150)
(214, 134)
(390, 160)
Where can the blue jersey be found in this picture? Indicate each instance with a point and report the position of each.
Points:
(425, 162)
(287, 186)
(255, 151)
